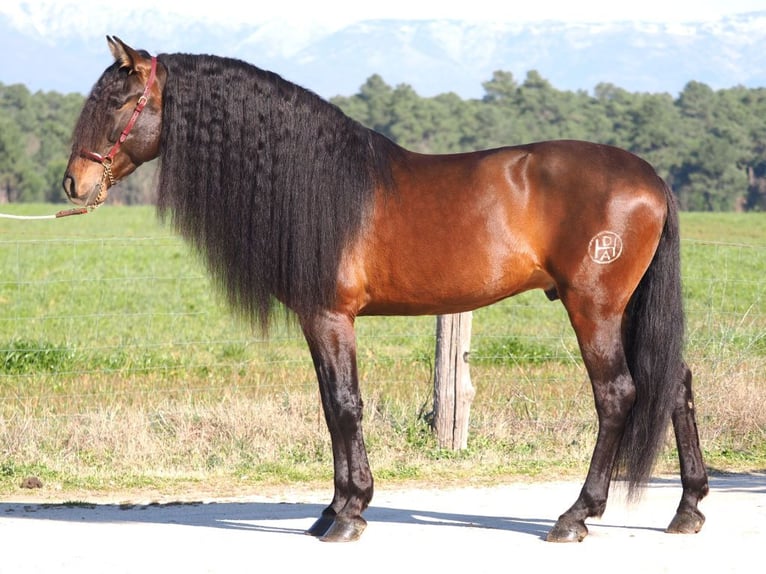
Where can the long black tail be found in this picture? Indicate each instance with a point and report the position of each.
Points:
(654, 349)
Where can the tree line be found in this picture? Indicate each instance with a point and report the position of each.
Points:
(709, 145)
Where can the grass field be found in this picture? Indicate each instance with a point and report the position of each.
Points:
(120, 368)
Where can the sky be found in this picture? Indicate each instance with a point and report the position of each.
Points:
(79, 16)
(283, 30)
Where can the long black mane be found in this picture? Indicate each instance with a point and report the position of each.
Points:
(264, 178)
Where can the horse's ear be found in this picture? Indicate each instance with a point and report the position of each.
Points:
(123, 54)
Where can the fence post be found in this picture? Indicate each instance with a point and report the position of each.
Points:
(453, 391)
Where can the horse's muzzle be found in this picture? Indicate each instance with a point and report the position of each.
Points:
(93, 198)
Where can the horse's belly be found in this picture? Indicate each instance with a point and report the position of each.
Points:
(433, 288)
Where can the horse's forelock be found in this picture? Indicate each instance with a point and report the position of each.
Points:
(92, 123)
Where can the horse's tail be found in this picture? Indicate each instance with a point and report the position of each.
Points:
(654, 349)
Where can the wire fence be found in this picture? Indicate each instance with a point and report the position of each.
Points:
(134, 307)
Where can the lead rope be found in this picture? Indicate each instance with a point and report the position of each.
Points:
(57, 215)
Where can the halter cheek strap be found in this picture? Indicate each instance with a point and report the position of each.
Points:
(106, 160)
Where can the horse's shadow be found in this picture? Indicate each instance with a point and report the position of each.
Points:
(266, 516)
(257, 516)
(270, 516)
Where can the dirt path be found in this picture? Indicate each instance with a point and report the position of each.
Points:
(463, 530)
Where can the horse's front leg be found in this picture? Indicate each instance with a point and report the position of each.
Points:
(332, 342)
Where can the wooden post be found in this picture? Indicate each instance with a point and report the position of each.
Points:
(453, 391)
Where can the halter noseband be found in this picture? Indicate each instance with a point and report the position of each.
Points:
(106, 160)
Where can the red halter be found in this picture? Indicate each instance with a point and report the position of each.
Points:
(106, 160)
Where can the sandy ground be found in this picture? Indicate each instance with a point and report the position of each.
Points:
(465, 530)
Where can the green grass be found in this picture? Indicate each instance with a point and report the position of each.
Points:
(120, 368)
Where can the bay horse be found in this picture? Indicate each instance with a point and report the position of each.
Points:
(290, 201)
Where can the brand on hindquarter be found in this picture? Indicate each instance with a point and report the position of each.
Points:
(605, 247)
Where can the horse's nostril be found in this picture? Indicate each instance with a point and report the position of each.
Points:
(68, 184)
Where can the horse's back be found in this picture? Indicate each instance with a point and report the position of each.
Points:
(465, 230)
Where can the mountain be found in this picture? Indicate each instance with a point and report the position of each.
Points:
(432, 56)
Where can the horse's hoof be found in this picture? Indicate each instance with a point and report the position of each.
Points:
(686, 522)
(321, 526)
(564, 531)
(345, 530)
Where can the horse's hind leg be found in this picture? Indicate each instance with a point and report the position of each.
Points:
(688, 518)
(614, 393)
(332, 342)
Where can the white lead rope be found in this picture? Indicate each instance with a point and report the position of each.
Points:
(63, 213)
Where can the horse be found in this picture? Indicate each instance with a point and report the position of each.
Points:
(295, 206)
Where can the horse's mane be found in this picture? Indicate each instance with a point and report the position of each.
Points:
(266, 179)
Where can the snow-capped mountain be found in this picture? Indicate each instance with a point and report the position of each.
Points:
(432, 56)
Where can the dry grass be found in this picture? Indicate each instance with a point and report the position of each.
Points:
(176, 430)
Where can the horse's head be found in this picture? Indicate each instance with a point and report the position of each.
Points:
(119, 126)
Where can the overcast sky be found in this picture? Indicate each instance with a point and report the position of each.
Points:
(78, 16)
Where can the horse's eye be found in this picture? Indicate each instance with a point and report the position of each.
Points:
(116, 103)
(120, 99)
